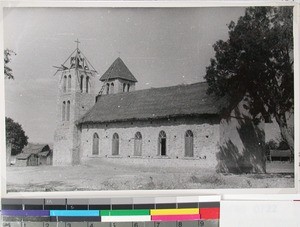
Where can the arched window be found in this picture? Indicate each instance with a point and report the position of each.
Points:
(63, 112)
(107, 88)
(69, 83)
(65, 84)
(112, 88)
(162, 143)
(128, 87)
(81, 83)
(87, 81)
(189, 144)
(68, 110)
(115, 144)
(95, 144)
(124, 87)
(137, 144)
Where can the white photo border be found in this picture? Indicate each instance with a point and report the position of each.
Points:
(254, 194)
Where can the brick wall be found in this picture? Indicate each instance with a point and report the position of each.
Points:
(118, 86)
(205, 131)
(66, 137)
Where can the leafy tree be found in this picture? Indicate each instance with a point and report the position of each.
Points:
(15, 135)
(257, 60)
(7, 70)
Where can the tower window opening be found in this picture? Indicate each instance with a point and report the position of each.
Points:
(65, 84)
(112, 88)
(81, 83)
(107, 88)
(68, 110)
(124, 87)
(87, 84)
(69, 83)
(63, 113)
(128, 87)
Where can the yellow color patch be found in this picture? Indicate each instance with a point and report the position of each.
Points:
(174, 211)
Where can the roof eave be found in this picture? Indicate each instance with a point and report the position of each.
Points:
(81, 122)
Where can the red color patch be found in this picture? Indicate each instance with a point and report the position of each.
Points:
(209, 213)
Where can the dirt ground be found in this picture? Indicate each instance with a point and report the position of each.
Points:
(108, 174)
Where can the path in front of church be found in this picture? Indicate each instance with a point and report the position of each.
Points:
(109, 174)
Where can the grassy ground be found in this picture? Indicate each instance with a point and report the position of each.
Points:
(107, 174)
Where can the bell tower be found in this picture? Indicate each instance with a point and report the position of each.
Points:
(117, 79)
(76, 95)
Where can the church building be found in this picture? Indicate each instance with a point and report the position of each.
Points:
(114, 120)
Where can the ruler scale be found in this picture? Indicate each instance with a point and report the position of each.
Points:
(193, 211)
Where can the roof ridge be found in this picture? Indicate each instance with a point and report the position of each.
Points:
(156, 88)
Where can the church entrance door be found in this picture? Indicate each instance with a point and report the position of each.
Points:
(163, 146)
(189, 144)
(162, 143)
(137, 144)
(115, 144)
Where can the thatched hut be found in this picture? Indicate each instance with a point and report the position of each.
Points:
(34, 155)
(26, 159)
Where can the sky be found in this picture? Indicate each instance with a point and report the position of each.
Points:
(160, 46)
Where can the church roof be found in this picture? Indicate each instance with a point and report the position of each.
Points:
(154, 103)
(118, 70)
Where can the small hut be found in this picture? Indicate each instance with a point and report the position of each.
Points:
(34, 155)
(25, 159)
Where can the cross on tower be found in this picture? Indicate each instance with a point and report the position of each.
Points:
(77, 41)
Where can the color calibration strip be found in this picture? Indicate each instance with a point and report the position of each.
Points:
(115, 210)
(188, 214)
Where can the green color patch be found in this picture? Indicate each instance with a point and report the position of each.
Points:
(124, 212)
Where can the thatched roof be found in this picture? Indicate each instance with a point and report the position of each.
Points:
(118, 70)
(45, 153)
(154, 103)
(35, 148)
(23, 156)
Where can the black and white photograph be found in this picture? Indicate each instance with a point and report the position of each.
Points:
(101, 99)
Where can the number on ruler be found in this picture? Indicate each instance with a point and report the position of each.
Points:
(180, 224)
(114, 224)
(136, 224)
(69, 225)
(201, 223)
(92, 225)
(24, 224)
(47, 225)
(157, 224)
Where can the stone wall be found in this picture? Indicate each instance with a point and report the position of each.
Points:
(205, 131)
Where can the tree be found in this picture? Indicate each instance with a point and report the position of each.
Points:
(7, 70)
(15, 135)
(257, 60)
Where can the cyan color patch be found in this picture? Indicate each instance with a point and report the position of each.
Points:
(75, 213)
